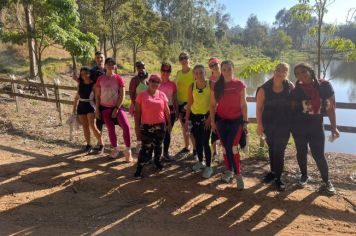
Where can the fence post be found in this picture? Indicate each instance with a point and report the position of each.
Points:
(14, 90)
(58, 102)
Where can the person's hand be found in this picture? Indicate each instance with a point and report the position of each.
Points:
(114, 112)
(132, 109)
(260, 130)
(213, 126)
(335, 132)
(97, 114)
(169, 128)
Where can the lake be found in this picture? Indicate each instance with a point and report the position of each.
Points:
(342, 76)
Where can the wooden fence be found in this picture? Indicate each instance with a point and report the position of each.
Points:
(59, 101)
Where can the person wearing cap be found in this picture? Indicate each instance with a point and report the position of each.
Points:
(170, 89)
(214, 66)
(137, 84)
(109, 95)
(184, 79)
(198, 115)
(151, 128)
(228, 102)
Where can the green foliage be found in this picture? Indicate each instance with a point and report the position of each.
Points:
(258, 67)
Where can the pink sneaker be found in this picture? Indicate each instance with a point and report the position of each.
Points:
(114, 153)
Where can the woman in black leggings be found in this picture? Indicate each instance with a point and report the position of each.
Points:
(273, 120)
(311, 100)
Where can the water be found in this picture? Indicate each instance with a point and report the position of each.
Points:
(342, 76)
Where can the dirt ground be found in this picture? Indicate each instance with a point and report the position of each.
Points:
(48, 187)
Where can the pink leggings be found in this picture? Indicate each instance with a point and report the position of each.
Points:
(123, 123)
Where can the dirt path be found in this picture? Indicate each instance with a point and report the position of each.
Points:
(47, 187)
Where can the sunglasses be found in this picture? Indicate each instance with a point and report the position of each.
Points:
(213, 65)
(154, 81)
(183, 58)
(110, 64)
(166, 71)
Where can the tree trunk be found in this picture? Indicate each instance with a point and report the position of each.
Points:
(30, 42)
(104, 46)
(40, 73)
(134, 55)
(74, 62)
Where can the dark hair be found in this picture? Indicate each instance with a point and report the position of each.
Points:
(199, 67)
(184, 54)
(99, 53)
(219, 85)
(139, 64)
(311, 70)
(110, 60)
(165, 65)
(86, 69)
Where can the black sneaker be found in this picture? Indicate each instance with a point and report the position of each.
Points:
(138, 173)
(167, 158)
(280, 185)
(87, 148)
(184, 150)
(303, 181)
(158, 165)
(99, 149)
(269, 177)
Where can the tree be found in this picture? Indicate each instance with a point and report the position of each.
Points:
(54, 23)
(255, 33)
(304, 10)
(144, 27)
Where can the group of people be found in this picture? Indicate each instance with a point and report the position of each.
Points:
(208, 109)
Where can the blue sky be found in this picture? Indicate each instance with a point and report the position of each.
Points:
(265, 10)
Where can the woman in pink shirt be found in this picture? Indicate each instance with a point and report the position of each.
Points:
(109, 94)
(152, 118)
(170, 89)
(228, 102)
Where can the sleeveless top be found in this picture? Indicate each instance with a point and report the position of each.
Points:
(183, 81)
(277, 106)
(141, 87)
(201, 99)
(85, 90)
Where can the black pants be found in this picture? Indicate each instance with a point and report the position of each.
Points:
(167, 135)
(277, 136)
(151, 138)
(311, 132)
(201, 136)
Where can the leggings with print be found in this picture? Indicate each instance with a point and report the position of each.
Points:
(167, 136)
(151, 138)
(230, 132)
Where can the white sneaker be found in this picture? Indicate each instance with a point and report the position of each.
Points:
(240, 183)
(227, 177)
(115, 151)
(198, 166)
(207, 172)
(128, 155)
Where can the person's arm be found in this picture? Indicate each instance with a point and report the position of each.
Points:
(189, 106)
(212, 111)
(260, 100)
(243, 106)
(75, 105)
(332, 116)
(175, 104)
(137, 117)
(97, 101)
(120, 99)
(132, 89)
(167, 116)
